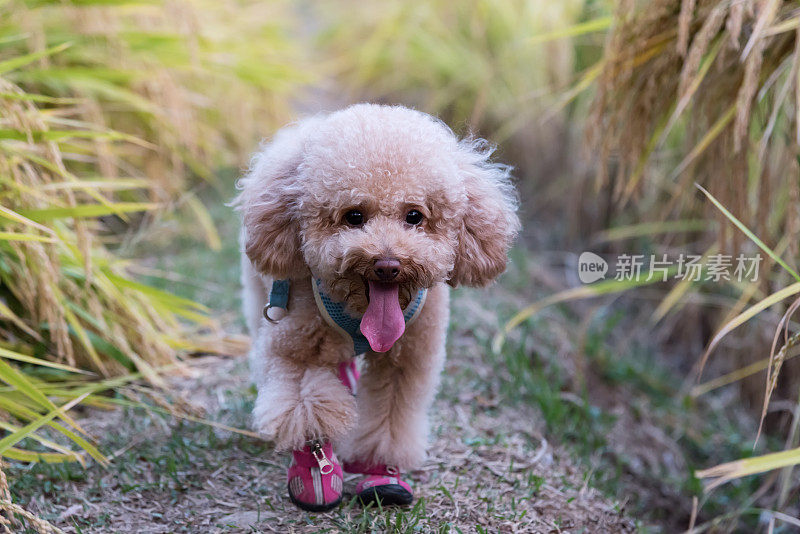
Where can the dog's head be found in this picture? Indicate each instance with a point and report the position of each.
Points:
(378, 202)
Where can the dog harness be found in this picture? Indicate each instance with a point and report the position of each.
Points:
(334, 311)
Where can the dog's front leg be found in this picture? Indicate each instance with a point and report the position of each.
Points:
(299, 403)
(300, 396)
(396, 390)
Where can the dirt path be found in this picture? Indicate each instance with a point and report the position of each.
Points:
(489, 470)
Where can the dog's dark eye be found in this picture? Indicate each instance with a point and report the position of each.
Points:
(413, 217)
(354, 218)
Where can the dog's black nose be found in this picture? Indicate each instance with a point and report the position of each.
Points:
(386, 269)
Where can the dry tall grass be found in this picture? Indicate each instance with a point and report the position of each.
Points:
(68, 309)
(722, 79)
(719, 79)
(61, 287)
(108, 112)
(480, 63)
(197, 80)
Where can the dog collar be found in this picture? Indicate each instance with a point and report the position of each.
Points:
(340, 320)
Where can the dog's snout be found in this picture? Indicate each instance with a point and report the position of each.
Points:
(386, 269)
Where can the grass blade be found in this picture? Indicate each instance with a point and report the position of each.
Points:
(17, 236)
(749, 234)
(21, 61)
(590, 26)
(59, 411)
(87, 210)
(720, 474)
(22, 455)
(16, 217)
(11, 355)
(204, 219)
(707, 139)
(745, 316)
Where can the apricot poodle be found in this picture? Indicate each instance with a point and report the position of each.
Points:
(356, 222)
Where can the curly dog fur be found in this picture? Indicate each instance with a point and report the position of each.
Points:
(383, 161)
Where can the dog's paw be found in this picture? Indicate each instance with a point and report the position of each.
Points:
(316, 405)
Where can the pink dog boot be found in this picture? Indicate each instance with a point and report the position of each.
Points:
(382, 484)
(349, 375)
(315, 477)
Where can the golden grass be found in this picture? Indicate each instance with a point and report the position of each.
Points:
(487, 65)
(196, 81)
(68, 304)
(720, 77)
(108, 114)
(69, 313)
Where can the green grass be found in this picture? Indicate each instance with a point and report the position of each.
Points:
(579, 409)
(174, 246)
(538, 380)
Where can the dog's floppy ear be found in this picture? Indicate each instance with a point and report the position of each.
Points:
(268, 201)
(490, 222)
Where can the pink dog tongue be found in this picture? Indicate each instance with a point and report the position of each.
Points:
(383, 322)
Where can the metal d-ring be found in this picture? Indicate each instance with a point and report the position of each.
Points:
(266, 314)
